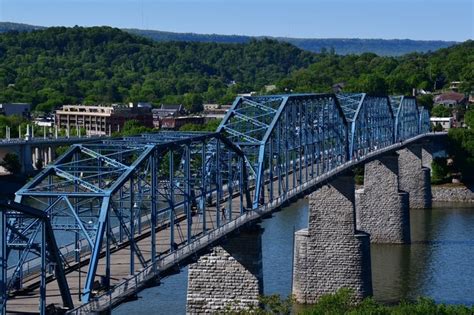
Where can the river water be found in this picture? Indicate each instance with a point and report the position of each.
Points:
(438, 263)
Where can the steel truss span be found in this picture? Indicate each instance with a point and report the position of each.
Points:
(407, 117)
(148, 196)
(290, 138)
(98, 196)
(371, 122)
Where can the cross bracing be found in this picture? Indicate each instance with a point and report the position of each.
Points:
(100, 197)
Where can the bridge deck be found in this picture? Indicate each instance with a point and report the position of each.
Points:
(125, 284)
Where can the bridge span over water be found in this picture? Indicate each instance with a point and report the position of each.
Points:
(109, 218)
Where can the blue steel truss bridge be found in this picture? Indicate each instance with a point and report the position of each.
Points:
(108, 218)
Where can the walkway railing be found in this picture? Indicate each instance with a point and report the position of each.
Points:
(138, 281)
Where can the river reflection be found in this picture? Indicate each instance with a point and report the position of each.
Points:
(437, 264)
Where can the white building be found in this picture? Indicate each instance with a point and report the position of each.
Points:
(445, 122)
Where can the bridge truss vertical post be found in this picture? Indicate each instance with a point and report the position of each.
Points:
(42, 305)
(187, 189)
(154, 188)
(218, 186)
(3, 262)
(204, 189)
(230, 187)
(132, 226)
(108, 237)
(172, 199)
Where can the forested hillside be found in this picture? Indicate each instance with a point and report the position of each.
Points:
(342, 46)
(55, 66)
(18, 27)
(104, 65)
(381, 75)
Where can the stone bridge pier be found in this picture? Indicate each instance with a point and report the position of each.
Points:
(427, 151)
(331, 253)
(383, 210)
(414, 177)
(229, 277)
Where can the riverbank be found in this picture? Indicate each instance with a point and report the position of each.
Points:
(453, 193)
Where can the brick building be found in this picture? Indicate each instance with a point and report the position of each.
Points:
(101, 120)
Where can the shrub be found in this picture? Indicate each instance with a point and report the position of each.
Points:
(11, 163)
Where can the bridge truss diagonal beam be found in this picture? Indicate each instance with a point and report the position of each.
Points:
(36, 232)
(146, 198)
(105, 196)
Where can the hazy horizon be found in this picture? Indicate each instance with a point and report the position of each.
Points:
(322, 19)
(243, 35)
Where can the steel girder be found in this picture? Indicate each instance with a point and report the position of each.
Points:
(407, 117)
(106, 194)
(371, 122)
(287, 139)
(27, 236)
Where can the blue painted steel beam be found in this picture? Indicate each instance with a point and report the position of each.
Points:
(279, 141)
(48, 239)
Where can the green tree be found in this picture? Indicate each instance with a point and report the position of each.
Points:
(61, 150)
(209, 126)
(193, 102)
(11, 163)
(440, 111)
(372, 84)
(439, 171)
(426, 101)
(132, 128)
(461, 149)
(469, 118)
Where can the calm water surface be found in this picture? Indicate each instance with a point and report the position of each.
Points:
(438, 264)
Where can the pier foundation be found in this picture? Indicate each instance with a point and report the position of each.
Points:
(331, 253)
(414, 178)
(382, 208)
(229, 277)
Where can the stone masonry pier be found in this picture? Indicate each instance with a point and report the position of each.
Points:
(414, 177)
(229, 277)
(331, 253)
(382, 209)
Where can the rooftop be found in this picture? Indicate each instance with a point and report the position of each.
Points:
(450, 96)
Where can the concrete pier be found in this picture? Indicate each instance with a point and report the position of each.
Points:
(331, 253)
(229, 277)
(382, 208)
(414, 178)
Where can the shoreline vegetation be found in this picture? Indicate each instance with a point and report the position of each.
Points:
(342, 303)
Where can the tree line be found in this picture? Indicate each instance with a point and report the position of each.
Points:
(104, 65)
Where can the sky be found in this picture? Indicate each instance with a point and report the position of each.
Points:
(388, 19)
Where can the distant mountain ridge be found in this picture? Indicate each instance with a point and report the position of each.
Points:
(383, 47)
